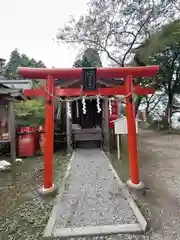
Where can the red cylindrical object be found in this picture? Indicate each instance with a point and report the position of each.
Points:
(26, 142)
(49, 135)
(41, 139)
(114, 115)
(132, 140)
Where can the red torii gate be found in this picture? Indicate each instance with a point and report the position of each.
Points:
(128, 73)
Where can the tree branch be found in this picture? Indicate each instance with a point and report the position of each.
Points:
(105, 50)
(155, 105)
(134, 40)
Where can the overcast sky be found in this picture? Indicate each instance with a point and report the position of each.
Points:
(31, 26)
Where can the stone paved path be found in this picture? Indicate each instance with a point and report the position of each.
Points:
(92, 195)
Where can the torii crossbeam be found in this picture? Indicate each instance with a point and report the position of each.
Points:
(128, 73)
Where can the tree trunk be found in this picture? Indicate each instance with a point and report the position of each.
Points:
(137, 103)
(169, 109)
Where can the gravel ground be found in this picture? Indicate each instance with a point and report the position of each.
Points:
(23, 214)
(93, 195)
(159, 155)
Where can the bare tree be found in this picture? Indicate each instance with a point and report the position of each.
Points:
(151, 103)
(118, 27)
(176, 4)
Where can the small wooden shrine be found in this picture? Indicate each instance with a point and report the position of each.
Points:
(87, 118)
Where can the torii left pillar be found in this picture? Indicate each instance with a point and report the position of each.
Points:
(49, 186)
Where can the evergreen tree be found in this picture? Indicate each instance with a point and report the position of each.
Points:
(21, 60)
(28, 112)
(90, 58)
(13, 64)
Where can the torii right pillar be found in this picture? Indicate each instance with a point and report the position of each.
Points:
(134, 181)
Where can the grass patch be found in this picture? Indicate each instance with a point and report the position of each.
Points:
(121, 166)
(23, 214)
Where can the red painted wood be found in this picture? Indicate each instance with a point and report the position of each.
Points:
(78, 92)
(143, 90)
(76, 73)
(34, 92)
(132, 140)
(114, 115)
(49, 135)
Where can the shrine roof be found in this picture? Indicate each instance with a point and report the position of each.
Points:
(13, 90)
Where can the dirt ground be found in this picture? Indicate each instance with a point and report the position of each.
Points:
(159, 155)
(23, 213)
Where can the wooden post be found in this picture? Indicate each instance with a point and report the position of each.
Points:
(106, 126)
(118, 147)
(12, 137)
(132, 140)
(49, 134)
(103, 125)
(68, 131)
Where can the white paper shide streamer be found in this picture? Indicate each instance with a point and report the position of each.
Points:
(84, 105)
(98, 104)
(110, 107)
(69, 110)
